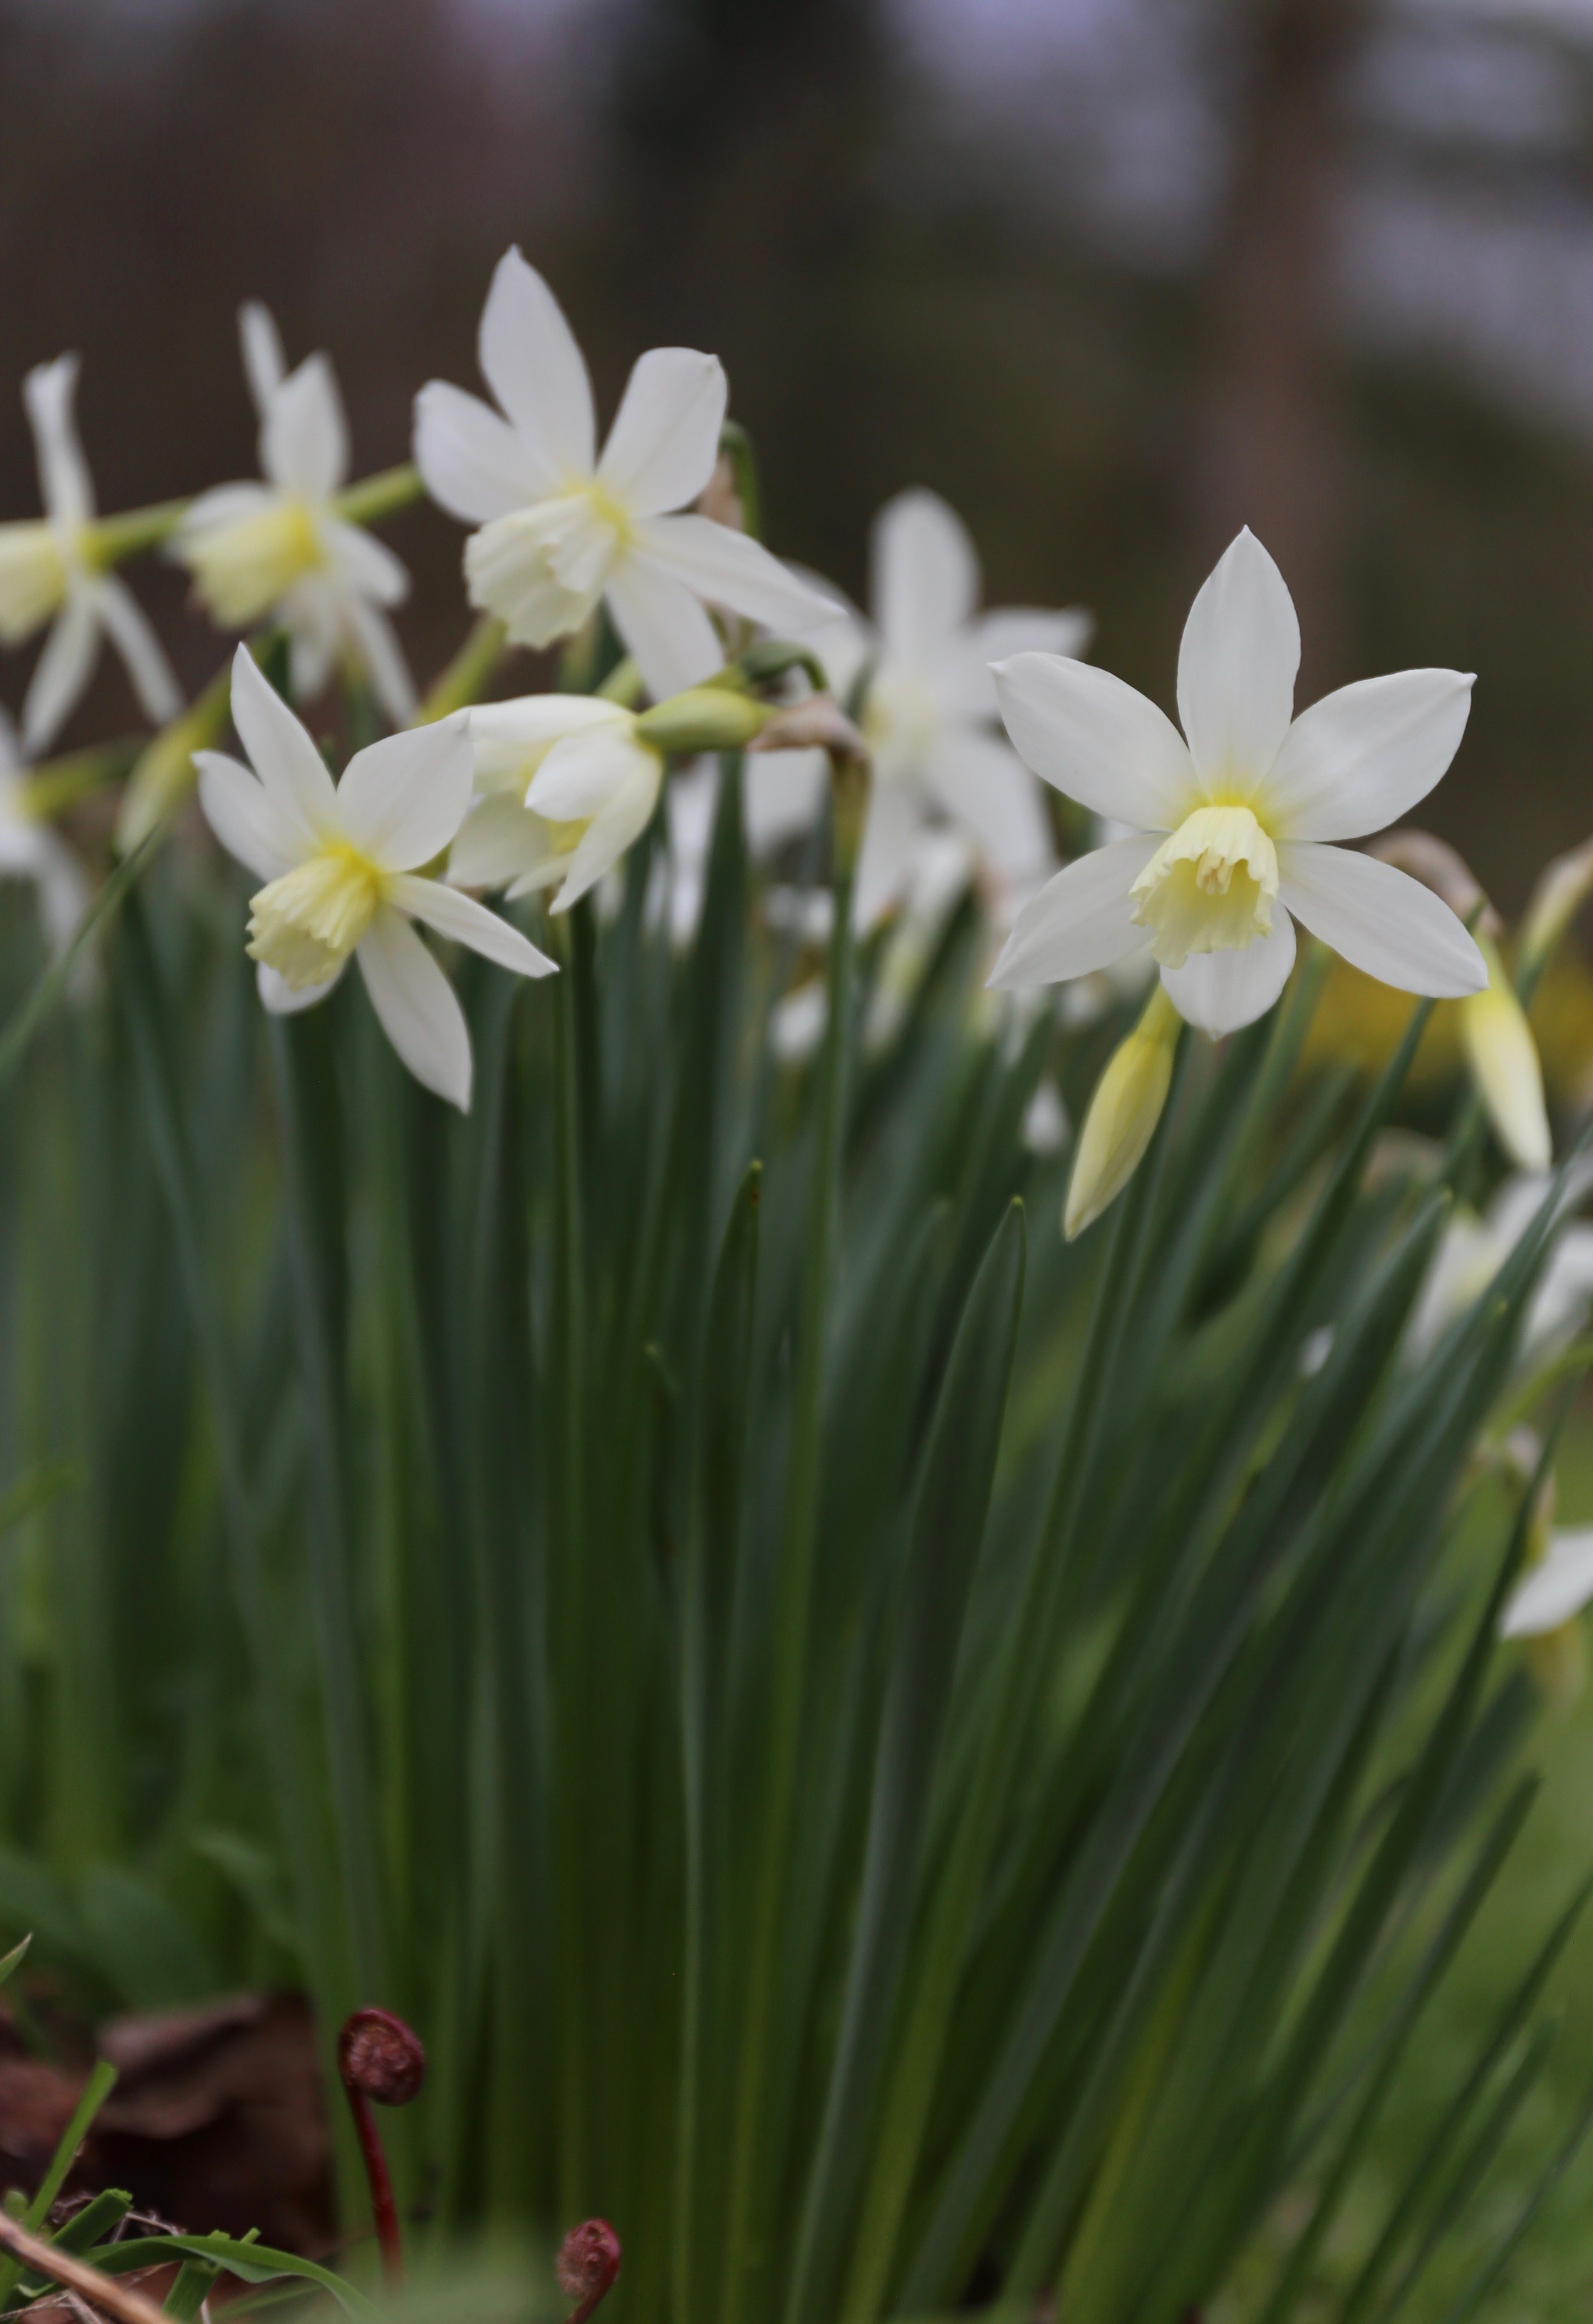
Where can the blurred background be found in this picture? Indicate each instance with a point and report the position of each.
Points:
(1116, 276)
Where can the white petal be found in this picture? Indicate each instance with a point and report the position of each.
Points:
(470, 922)
(924, 575)
(1082, 919)
(1550, 1594)
(264, 365)
(281, 754)
(584, 772)
(1097, 739)
(511, 738)
(142, 654)
(222, 505)
(608, 835)
(499, 841)
(1218, 991)
(781, 793)
(284, 999)
(884, 860)
(383, 656)
(728, 568)
(1236, 667)
(664, 628)
(530, 360)
(360, 561)
(401, 799)
(240, 811)
(986, 785)
(304, 436)
(1380, 919)
(63, 890)
(472, 463)
(419, 1010)
(665, 439)
(1360, 759)
(61, 672)
(962, 673)
(64, 483)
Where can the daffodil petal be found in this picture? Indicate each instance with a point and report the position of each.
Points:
(470, 922)
(243, 814)
(986, 785)
(1096, 740)
(305, 435)
(664, 625)
(533, 364)
(285, 999)
(665, 439)
(729, 569)
(383, 655)
(1219, 991)
(1380, 919)
(608, 835)
(1082, 919)
(471, 461)
(61, 672)
(65, 487)
(144, 656)
(884, 860)
(923, 576)
(961, 672)
(417, 1007)
(281, 753)
(401, 800)
(264, 365)
(500, 839)
(1360, 759)
(781, 793)
(1236, 667)
(583, 772)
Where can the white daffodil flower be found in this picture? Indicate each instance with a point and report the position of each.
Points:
(49, 572)
(281, 548)
(341, 867)
(562, 529)
(1474, 1250)
(1232, 824)
(30, 850)
(929, 714)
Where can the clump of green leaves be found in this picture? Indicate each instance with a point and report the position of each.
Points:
(904, 1763)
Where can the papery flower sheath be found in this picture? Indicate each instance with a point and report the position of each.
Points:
(49, 572)
(928, 712)
(341, 865)
(1232, 820)
(281, 548)
(562, 530)
(30, 850)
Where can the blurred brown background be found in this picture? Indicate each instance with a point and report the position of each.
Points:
(1115, 275)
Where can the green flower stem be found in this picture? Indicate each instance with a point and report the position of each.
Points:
(749, 2168)
(379, 495)
(115, 537)
(49, 790)
(467, 676)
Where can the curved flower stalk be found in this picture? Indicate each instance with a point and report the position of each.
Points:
(51, 570)
(30, 850)
(280, 548)
(341, 867)
(929, 713)
(569, 781)
(562, 530)
(1474, 1248)
(1231, 825)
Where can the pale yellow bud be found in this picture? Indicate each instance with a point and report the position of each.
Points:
(1563, 888)
(1122, 1115)
(703, 718)
(165, 773)
(1503, 1060)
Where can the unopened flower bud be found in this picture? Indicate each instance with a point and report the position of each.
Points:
(587, 2266)
(1503, 1060)
(703, 718)
(1122, 1115)
(381, 2057)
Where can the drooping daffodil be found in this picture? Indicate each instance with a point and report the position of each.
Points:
(567, 782)
(51, 571)
(30, 849)
(928, 712)
(1233, 820)
(279, 547)
(341, 868)
(560, 530)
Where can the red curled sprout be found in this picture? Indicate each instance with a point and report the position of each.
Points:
(587, 2262)
(380, 2057)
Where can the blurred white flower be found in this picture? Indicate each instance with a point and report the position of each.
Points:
(1230, 824)
(48, 571)
(929, 713)
(281, 548)
(562, 530)
(1474, 1250)
(1555, 1588)
(30, 850)
(340, 866)
(1504, 1059)
(1046, 1128)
